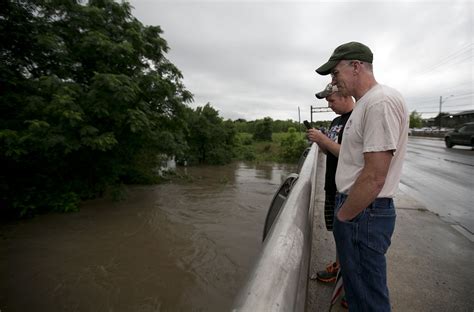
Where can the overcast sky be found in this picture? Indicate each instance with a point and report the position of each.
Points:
(252, 59)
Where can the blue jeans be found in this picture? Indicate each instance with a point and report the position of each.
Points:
(361, 245)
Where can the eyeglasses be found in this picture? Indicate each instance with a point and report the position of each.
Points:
(335, 72)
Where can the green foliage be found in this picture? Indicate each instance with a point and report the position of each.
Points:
(243, 126)
(211, 139)
(245, 153)
(284, 147)
(322, 124)
(87, 101)
(244, 149)
(277, 126)
(243, 138)
(280, 126)
(292, 145)
(415, 120)
(263, 130)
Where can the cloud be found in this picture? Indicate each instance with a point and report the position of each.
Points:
(255, 59)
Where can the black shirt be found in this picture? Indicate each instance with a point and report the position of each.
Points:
(335, 132)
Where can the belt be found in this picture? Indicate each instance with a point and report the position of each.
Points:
(379, 200)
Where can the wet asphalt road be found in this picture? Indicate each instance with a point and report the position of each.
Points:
(442, 179)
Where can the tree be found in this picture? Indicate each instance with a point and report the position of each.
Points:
(415, 120)
(87, 100)
(263, 130)
(323, 124)
(242, 125)
(284, 125)
(292, 145)
(210, 139)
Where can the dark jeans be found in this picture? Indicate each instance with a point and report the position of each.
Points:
(361, 245)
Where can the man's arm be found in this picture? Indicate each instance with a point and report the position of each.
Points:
(368, 185)
(324, 143)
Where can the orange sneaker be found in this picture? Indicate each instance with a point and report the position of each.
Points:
(329, 275)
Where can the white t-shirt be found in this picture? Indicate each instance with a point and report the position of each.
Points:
(379, 122)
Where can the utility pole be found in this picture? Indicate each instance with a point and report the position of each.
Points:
(299, 119)
(440, 106)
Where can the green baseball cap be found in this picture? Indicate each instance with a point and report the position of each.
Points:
(347, 51)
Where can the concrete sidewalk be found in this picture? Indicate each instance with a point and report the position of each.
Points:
(430, 263)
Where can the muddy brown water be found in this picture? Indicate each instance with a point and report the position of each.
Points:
(184, 246)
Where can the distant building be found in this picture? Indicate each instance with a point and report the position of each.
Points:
(430, 122)
(450, 120)
(457, 119)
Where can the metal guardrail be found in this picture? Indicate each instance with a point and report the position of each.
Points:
(279, 278)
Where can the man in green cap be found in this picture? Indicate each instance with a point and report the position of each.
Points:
(369, 169)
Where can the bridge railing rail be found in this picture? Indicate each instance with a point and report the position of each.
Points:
(279, 278)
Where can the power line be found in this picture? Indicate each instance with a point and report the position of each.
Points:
(460, 56)
(437, 112)
(423, 99)
(454, 98)
(466, 47)
(433, 106)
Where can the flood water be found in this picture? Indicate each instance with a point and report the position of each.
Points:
(183, 246)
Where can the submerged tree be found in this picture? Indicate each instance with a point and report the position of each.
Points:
(87, 100)
(210, 138)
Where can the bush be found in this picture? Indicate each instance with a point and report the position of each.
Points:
(245, 152)
(292, 145)
(219, 156)
(263, 130)
(243, 138)
(210, 139)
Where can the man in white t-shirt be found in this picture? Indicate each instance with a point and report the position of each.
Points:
(369, 169)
